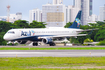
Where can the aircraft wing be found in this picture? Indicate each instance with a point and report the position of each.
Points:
(86, 30)
(63, 36)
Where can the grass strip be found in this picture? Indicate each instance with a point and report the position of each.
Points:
(51, 69)
(54, 48)
(43, 63)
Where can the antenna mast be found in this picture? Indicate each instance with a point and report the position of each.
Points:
(8, 12)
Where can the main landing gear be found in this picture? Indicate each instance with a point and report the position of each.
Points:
(52, 44)
(35, 43)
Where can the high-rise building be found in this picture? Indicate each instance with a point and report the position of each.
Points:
(102, 13)
(71, 13)
(77, 3)
(36, 15)
(57, 1)
(54, 15)
(86, 7)
(57, 14)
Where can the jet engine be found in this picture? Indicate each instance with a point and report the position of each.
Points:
(47, 40)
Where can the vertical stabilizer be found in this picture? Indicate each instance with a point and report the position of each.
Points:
(76, 23)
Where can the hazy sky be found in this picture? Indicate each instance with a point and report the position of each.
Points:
(24, 6)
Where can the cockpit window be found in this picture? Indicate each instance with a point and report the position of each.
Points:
(11, 32)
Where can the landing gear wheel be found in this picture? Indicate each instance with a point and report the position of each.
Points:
(35, 44)
(52, 44)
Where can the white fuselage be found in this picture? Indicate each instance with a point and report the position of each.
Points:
(14, 34)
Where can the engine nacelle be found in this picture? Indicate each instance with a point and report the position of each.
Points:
(47, 40)
(22, 42)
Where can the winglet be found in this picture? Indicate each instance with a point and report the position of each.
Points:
(76, 23)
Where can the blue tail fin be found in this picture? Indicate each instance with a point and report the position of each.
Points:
(76, 23)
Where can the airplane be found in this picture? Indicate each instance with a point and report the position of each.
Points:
(45, 35)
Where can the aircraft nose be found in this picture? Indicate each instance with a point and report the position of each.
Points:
(5, 37)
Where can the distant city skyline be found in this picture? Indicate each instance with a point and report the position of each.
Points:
(24, 6)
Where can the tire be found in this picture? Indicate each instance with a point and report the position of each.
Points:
(52, 44)
(35, 44)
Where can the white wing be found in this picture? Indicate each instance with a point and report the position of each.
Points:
(63, 36)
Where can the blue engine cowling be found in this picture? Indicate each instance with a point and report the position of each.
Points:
(47, 40)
